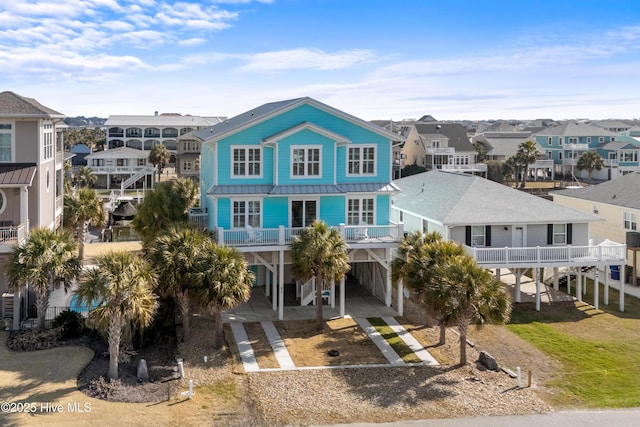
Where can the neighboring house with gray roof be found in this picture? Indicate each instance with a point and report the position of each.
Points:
(565, 142)
(500, 146)
(31, 181)
(444, 146)
(500, 226)
(615, 202)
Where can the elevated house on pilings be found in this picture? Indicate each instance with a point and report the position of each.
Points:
(271, 171)
(504, 228)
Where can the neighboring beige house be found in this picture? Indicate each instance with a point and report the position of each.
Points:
(31, 181)
(188, 157)
(617, 202)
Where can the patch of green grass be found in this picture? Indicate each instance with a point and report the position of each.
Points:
(596, 373)
(227, 390)
(397, 343)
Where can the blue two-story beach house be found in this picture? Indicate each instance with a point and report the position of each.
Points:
(271, 171)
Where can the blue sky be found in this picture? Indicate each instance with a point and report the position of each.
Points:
(374, 59)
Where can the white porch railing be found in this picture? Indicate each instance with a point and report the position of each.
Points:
(13, 235)
(610, 162)
(475, 167)
(308, 292)
(125, 170)
(282, 236)
(558, 255)
(440, 151)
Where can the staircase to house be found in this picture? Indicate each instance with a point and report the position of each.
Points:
(308, 292)
(134, 178)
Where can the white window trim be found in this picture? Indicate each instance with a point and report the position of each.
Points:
(563, 233)
(11, 132)
(361, 148)
(631, 218)
(306, 148)
(483, 234)
(361, 198)
(303, 199)
(3, 198)
(246, 149)
(246, 213)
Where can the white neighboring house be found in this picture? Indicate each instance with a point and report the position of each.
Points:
(502, 227)
(121, 168)
(617, 203)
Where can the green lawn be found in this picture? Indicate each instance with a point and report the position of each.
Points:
(397, 343)
(598, 349)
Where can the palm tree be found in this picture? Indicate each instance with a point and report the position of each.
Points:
(176, 257)
(423, 276)
(473, 295)
(528, 154)
(224, 283)
(319, 251)
(44, 261)
(590, 160)
(166, 205)
(84, 177)
(159, 156)
(121, 285)
(81, 209)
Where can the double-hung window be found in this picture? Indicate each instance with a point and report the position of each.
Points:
(246, 212)
(305, 161)
(630, 221)
(5, 142)
(246, 161)
(47, 137)
(559, 234)
(362, 160)
(360, 211)
(478, 235)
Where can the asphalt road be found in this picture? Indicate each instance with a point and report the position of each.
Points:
(618, 418)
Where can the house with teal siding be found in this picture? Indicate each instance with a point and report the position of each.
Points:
(273, 170)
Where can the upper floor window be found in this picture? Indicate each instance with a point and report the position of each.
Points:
(478, 235)
(559, 234)
(436, 143)
(246, 161)
(549, 140)
(305, 161)
(246, 213)
(47, 151)
(134, 132)
(573, 140)
(360, 211)
(152, 133)
(560, 141)
(5, 142)
(588, 140)
(116, 132)
(629, 156)
(362, 160)
(601, 139)
(191, 146)
(630, 221)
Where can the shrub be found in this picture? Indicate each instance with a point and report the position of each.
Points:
(72, 323)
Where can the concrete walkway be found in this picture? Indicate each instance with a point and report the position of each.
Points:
(249, 361)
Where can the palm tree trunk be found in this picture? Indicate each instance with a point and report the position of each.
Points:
(115, 330)
(42, 303)
(217, 337)
(82, 232)
(183, 304)
(463, 326)
(443, 331)
(319, 316)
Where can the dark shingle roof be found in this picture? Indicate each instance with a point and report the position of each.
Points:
(12, 104)
(455, 132)
(623, 191)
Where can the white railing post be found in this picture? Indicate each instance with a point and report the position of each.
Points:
(538, 258)
(343, 231)
(220, 236)
(400, 228)
(506, 254)
(281, 237)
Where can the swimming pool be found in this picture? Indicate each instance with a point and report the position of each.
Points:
(75, 306)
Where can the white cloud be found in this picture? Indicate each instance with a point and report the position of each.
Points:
(192, 42)
(304, 58)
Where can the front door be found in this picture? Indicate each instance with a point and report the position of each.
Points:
(303, 213)
(518, 237)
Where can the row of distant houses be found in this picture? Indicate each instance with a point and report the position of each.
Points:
(269, 172)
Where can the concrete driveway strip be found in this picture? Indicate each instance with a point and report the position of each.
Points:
(413, 343)
(247, 355)
(380, 342)
(279, 348)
